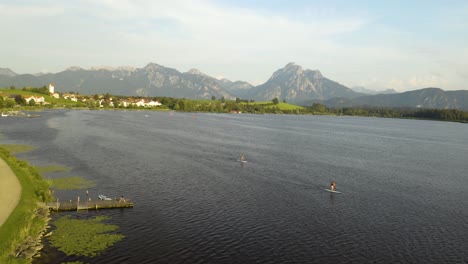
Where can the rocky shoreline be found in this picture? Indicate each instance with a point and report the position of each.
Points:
(32, 245)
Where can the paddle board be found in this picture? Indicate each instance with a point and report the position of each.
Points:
(328, 190)
(243, 161)
(103, 197)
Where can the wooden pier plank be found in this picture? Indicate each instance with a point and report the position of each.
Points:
(89, 205)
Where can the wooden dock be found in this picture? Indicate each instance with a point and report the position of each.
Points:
(89, 205)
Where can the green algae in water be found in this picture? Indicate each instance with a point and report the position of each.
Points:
(14, 149)
(52, 168)
(72, 183)
(89, 237)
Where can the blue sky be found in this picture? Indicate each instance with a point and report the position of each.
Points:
(404, 45)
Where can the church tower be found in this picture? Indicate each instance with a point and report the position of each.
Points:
(51, 88)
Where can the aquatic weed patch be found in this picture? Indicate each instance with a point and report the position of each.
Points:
(72, 183)
(87, 237)
(18, 148)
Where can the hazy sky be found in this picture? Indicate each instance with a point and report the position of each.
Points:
(404, 45)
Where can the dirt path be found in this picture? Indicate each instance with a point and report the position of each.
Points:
(10, 191)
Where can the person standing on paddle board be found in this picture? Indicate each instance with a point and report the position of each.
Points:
(242, 157)
(332, 185)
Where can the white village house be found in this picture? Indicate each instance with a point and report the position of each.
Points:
(37, 99)
(125, 103)
(146, 103)
(153, 103)
(71, 97)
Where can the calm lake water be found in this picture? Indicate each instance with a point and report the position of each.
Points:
(404, 185)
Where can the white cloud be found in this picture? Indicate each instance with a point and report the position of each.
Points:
(200, 34)
(29, 11)
(238, 43)
(179, 34)
(204, 23)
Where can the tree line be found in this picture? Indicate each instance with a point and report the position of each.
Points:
(417, 113)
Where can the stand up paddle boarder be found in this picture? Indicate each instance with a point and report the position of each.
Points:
(332, 186)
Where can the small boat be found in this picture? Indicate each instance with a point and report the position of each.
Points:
(103, 197)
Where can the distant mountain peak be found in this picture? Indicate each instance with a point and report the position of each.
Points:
(290, 67)
(74, 68)
(295, 84)
(389, 91)
(289, 70)
(225, 80)
(113, 68)
(7, 72)
(294, 69)
(432, 89)
(42, 73)
(431, 97)
(152, 65)
(316, 74)
(195, 72)
(364, 90)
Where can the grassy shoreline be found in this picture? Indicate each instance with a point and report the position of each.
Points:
(22, 232)
(24, 222)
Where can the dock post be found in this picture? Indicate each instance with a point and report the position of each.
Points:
(87, 200)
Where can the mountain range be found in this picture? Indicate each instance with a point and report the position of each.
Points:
(364, 90)
(299, 86)
(423, 98)
(291, 83)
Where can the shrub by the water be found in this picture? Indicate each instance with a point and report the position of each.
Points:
(72, 183)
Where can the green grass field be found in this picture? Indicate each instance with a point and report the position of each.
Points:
(47, 98)
(17, 148)
(21, 92)
(282, 106)
(190, 104)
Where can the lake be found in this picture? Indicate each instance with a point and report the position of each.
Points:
(404, 185)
